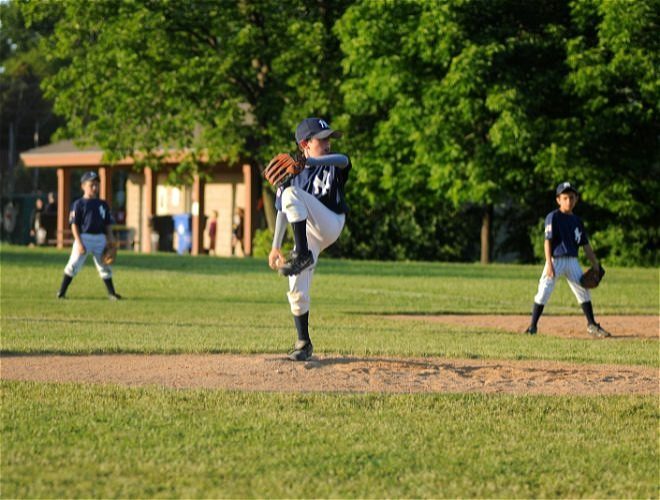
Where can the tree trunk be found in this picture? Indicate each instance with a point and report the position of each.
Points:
(269, 208)
(485, 234)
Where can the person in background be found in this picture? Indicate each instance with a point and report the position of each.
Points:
(37, 229)
(212, 231)
(237, 231)
(51, 205)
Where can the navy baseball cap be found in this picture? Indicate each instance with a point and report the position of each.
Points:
(566, 186)
(311, 128)
(89, 176)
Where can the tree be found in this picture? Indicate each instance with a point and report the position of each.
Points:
(609, 140)
(27, 118)
(456, 91)
(224, 79)
(491, 103)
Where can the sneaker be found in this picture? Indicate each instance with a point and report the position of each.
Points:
(531, 330)
(297, 263)
(114, 297)
(595, 330)
(302, 351)
(61, 296)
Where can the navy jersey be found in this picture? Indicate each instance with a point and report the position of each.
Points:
(91, 215)
(565, 232)
(325, 182)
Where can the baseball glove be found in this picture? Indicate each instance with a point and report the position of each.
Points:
(109, 254)
(282, 167)
(592, 277)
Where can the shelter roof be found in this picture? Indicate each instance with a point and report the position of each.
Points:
(65, 154)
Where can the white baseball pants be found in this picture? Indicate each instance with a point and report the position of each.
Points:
(564, 266)
(323, 228)
(94, 244)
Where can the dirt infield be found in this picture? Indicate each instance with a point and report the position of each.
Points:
(335, 374)
(641, 327)
(368, 374)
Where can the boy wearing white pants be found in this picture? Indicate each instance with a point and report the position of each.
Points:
(564, 234)
(91, 225)
(313, 203)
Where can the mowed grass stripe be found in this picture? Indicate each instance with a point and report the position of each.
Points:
(88, 441)
(185, 304)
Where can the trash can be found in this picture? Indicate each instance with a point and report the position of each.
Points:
(182, 229)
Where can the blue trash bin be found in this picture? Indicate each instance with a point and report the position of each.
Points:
(182, 229)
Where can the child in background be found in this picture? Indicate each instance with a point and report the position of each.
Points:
(212, 228)
(564, 234)
(91, 225)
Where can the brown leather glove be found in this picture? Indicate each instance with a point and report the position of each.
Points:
(282, 167)
(109, 254)
(592, 277)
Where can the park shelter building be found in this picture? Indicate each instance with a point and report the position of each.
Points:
(148, 196)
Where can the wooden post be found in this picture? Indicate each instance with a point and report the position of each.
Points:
(485, 234)
(63, 203)
(250, 207)
(105, 181)
(197, 216)
(149, 209)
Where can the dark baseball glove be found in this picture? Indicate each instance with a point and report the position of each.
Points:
(282, 168)
(109, 254)
(592, 277)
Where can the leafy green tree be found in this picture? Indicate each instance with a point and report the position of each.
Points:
(224, 79)
(454, 94)
(459, 114)
(490, 103)
(27, 118)
(608, 141)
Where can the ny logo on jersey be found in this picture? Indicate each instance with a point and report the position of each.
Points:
(324, 124)
(322, 186)
(578, 235)
(102, 212)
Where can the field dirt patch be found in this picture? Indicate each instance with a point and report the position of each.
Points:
(631, 327)
(335, 374)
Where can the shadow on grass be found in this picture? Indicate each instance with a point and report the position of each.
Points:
(95, 321)
(48, 257)
(441, 312)
(394, 363)
(204, 264)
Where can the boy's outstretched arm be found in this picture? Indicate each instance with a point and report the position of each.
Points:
(335, 159)
(589, 252)
(549, 267)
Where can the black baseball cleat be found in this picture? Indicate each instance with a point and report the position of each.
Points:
(595, 330)
(114, 297)
(60, 296)
(531, 330)
(297, 263)
(302, 351)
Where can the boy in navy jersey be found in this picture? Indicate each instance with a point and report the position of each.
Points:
(91, 225)
(313, 203)
(564, 234)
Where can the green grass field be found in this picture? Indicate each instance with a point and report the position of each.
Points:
(75, 440)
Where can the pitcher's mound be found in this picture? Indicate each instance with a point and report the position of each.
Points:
(335, 373)
(640, 327)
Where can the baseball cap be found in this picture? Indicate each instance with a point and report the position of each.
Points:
(89, 176)
(566, 186)
(317, 128)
